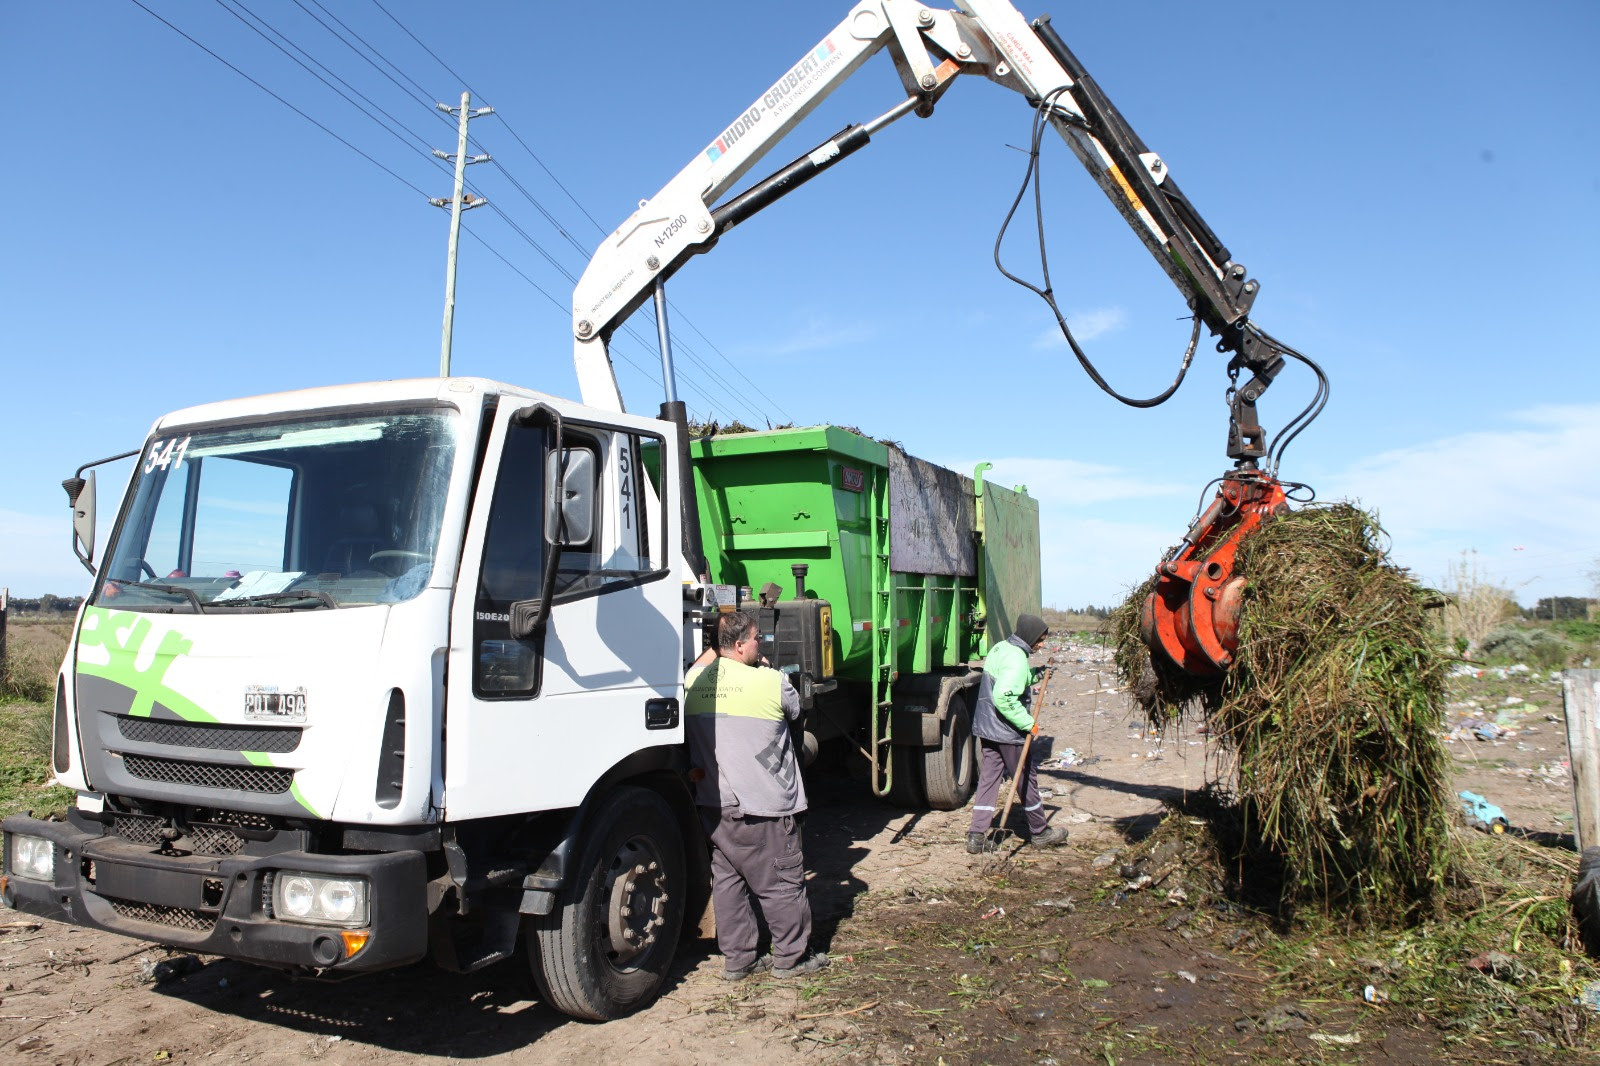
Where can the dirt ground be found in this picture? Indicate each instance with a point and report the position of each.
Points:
(939, 957)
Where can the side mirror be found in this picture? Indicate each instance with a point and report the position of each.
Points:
(81, 496)
(568, 520)
(569, 501)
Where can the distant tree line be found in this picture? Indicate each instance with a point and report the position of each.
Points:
(46, 604)
(1559, 609)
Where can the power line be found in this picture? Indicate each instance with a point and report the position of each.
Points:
(223, 4)
(421, 44)
(421, 94)
(558, 227)
(562, 307)
(278, 98)
(523, 233)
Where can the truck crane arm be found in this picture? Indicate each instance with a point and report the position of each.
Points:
(1191, 615)
(929, 49)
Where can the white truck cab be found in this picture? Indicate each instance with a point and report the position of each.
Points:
(296, 675)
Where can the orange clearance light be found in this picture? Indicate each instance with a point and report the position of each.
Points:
(354, 940)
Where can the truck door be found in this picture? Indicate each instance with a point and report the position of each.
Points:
(532, 723)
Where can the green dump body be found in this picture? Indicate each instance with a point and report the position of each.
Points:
(891, 542)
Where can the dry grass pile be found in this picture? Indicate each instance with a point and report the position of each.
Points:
(1332, 712)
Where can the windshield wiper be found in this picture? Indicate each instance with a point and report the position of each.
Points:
(320, 597)
(177, 590)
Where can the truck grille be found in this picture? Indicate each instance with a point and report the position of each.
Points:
(160, 914)
(242, 819)
(215, 840)
(265, 779)
(275, 739)
(137, 828)
(201, 839)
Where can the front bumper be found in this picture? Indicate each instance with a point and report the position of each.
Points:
(214, 905)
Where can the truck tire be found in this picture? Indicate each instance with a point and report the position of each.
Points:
(603, 951)
(950, 771)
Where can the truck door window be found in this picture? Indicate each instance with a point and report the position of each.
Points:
(606, 544)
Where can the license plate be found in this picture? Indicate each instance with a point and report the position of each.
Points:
(266, 703)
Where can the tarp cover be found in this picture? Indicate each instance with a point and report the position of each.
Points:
(930, 518)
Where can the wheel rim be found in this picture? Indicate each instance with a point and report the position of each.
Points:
(636, 902)
(961, 750)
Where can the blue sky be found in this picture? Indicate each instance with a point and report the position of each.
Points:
(1417, 187)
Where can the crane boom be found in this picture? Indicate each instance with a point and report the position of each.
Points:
(929, 49)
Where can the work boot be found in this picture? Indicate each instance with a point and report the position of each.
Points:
(1050, 837)
(978, 843)
(761, 965)
(809, 964)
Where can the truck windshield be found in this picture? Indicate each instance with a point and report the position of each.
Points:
(283, 516)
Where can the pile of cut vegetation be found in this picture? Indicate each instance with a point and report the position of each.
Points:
(1332, 713)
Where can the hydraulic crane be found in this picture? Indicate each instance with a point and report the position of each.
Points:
(1192, 613)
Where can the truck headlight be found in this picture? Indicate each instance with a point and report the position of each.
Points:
(33, 857)
(303, 897)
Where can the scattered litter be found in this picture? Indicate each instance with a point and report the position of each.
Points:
(1076, 817)
(1065, 904)
(153, 972)
(1496, 964)
(992, 912)
(1137, 883)
(1373, 994)
(1187, 976)
(1106, 858)
(1590, 997)
(1062, 759)
(1482, 814)
(1336, 1038)
(1477, 729)
(1277, 1020)
(30, 1043)
(1177, 897)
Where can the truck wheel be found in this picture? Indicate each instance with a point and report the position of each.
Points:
(604, 950)
(950, 771)
(907, 788)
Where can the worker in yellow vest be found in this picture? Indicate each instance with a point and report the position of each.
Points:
(749, 791)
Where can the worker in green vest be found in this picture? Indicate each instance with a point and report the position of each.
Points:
(1001, 720)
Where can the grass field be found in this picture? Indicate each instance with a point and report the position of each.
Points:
(25, 761)
(34, 648)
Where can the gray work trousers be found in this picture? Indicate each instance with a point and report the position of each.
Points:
(763, 856)
(994, 762)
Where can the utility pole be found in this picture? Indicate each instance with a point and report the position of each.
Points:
(457, 204)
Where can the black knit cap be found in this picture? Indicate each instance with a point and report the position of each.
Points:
(1030, 627)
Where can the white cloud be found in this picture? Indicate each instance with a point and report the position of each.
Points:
(819, 334)
(1070, 483)
(1085, 325)
(1092, 561)
(1525, 497)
